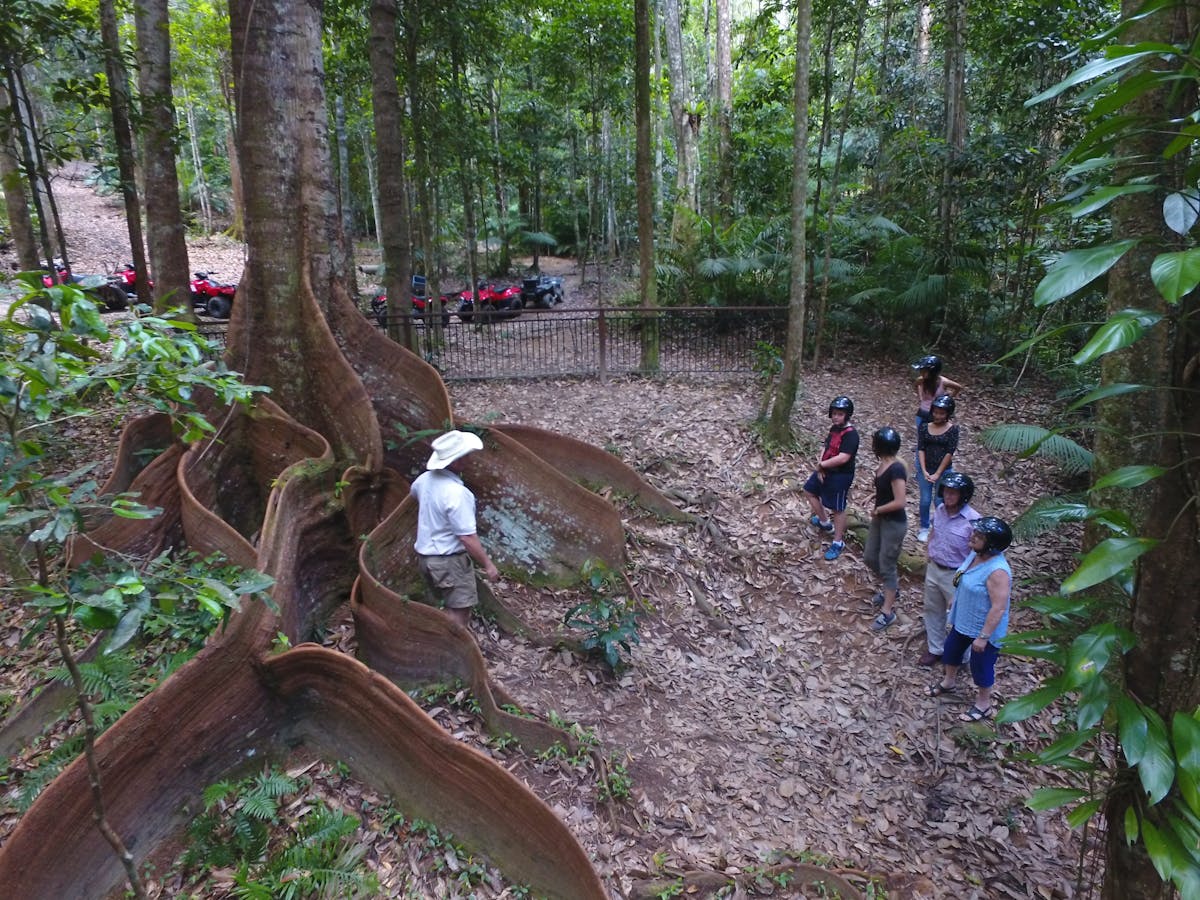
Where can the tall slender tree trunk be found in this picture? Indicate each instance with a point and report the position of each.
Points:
(201, 183)
(372, 182)
(41, 170)
(391, 212)
(955, 123)
(647, 285)
(685, 118)
(164, 222)
(16, 202)
(779, 429)
(118, 102)
(20, 135)
(724, 105)
(504, 263)
(237, 199)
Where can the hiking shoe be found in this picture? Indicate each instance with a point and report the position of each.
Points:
(877, 600)
(835, 550)
(929, 658)
(882, 621)
(923, 535)
(816, 522)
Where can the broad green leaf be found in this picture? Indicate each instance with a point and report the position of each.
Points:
(1121, 330)
(1185, 732)
(1023, 707)
(1131, 825)
(1180, 210)
(1109, 390)
(1092, 704)
(1157, 767)
(1132, 727)
(1022, 347)
(1100, 198)
(1084, 812)
(1051, 798)
(1184, 140)
(1176, 274)
(1095, 69)
(1065, 746)
(1106, 560)
(1078, 268)
(1090, 653)
(1128, 477)
(1160, 853)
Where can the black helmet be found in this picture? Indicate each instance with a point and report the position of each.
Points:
(996, 533)
(933, 363)
(959, 482)
(944, 401)
(886, 441)
(845, 404)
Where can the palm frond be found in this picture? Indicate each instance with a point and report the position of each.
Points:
(1030, 440)
(1047, 514)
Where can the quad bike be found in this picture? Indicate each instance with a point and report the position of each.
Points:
(212, 298)
(419, 299)
(541, 291)
(495, 302)
(104, 288)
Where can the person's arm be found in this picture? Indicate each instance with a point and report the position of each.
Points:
(479, 555)
(833, 462)
(997, 587)
(897, 502)
(953, 388)
(951, 449)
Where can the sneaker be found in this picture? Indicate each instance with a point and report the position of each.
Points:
(929, 658)
(816, 522)
(835, 550)
(882, 621)
(923, 535)
(877, 600)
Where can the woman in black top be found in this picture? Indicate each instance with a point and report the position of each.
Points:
(937, 442)
(889, 522)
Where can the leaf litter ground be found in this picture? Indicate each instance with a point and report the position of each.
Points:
(759, 718)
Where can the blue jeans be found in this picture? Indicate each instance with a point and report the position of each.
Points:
(925, 488)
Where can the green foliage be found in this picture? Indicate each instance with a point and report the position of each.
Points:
(1031, 440)
(316, 859)
(609, 617)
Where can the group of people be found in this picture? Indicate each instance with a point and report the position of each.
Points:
(968, 581)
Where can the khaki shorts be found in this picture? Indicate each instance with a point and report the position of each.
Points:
(451, 579)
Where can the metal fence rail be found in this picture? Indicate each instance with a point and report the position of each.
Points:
(603, 341)
(597, 342)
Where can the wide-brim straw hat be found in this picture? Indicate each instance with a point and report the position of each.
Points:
(451, 446)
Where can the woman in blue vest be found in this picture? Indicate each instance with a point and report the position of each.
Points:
(978, 617)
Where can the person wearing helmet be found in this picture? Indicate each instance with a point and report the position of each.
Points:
(828, 488)
(949, 545)
(978, 617)
(446, 540)
(889, 522)
(937, 442)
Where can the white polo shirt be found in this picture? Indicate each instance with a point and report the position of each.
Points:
(447, 509)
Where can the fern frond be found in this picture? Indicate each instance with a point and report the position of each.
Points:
(1028, 440)
(274, 784)
(1046, 514)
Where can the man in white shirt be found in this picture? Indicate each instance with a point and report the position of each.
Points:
(949, 545)
(446, 539)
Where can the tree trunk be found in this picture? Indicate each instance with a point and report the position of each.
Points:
(16, 202)
(504, 263)
(118, 101)
(954, 111)
(39, 174)
(724, 105)
(647, 284)
(1162, 426)
(391, 224)
(686, 119)
(20, 136)
(164, 223)
(237, 200)
(779, 430)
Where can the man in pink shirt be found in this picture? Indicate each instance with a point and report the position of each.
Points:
(949, 545)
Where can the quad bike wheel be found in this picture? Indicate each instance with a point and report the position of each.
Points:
(219, 307)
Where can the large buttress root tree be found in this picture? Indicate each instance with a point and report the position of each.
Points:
(296, 487)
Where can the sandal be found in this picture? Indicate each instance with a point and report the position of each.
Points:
(937, 689)
(975, 714)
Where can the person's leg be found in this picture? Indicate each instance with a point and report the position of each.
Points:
(891, 539)
(926, 498)
(871, 550)
(956, 643)
(812, 492)
(983, 673)
(938, 594)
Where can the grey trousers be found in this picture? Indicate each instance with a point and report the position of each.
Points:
(884, 540)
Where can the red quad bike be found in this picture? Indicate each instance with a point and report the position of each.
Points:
(110, 295)
(212, 298)
(419, 300)
(495, 302)
(126, 279)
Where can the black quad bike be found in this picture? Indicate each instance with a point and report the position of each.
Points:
(541, 291)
